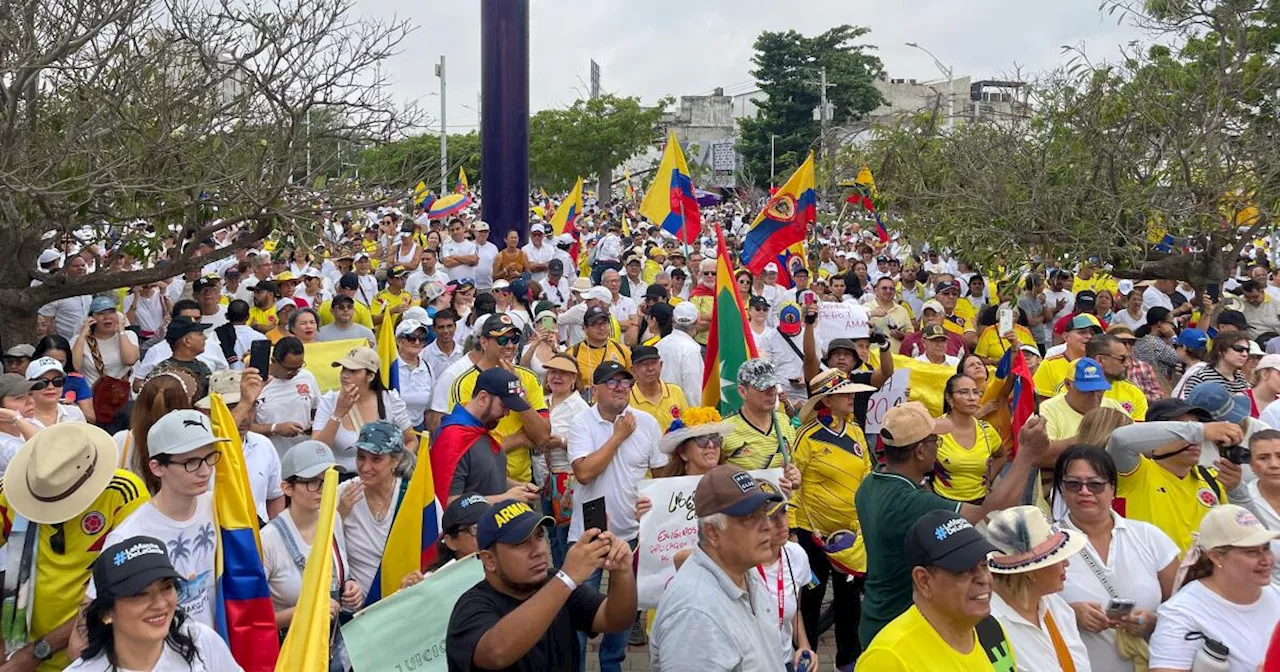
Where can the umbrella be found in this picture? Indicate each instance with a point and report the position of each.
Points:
(706, 198)
(448, 205)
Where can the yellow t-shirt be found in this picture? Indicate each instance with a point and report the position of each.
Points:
(991, 346)
(670, 405)
(384, 298)
(519, 464)
(961, 320)
(1053, 370)
(258, 316)
(362, 315)
(1062, 421)
(1098, 283)
(705, 305)
(1152, 494)
(750, 448)
(61, 578)
(910, 644)
(1131, 399)
(960, 472)
(589, 358)
(832, 467)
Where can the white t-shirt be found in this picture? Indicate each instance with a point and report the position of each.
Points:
(1153, 297)
(149, 311)
(263, 463)
(539, 255)
(344, 438)
(109, 348)
(484, 270)
(191, 545)
(1245, 629)
(284, 579)
(288, 400)
(1051, 298)
(617, 483)
(947, 360)
(366, 537)
(1260, 508)
(465, 248)
(794, 563)
(445, 380)
(212, 655)
(217, 319)
(9, 445)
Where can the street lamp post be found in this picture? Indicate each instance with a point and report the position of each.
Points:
(949, 73)
(772, 138)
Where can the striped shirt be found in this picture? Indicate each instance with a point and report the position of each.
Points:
(751, 447)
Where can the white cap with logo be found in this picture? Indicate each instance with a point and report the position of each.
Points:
(179, 432)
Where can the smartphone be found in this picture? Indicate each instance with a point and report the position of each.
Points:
(260, 356)
(1119, 608)
(1214, 290)
(809, 298)
(1006, 321)
(548, 323)
(594, 516)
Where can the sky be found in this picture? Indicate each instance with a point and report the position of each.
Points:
(682, 47)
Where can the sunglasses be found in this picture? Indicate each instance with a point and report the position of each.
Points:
(414, 339)
(41, 383)
(1242, 349)
(1074, 484)
(507, 339)
(708, 441)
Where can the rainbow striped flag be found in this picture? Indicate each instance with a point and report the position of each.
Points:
(411, 545)
(243, 612)
(730, 343)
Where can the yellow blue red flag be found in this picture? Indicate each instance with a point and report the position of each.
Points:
(306, 647)
(783, 224)
(865, 194)
(411, 545)
(670, 202)
(463, 185)
(387, 351)
(422, 195)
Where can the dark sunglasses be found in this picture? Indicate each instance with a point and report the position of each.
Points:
(41, 383)
(1242, 349)
(415, 339)
(1074, 485)
(507, 339)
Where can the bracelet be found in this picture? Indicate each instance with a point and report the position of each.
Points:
(273, 429)
(573, 585)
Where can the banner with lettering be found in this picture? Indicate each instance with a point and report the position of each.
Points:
(668, 528)
(892, 393)
(840, 320)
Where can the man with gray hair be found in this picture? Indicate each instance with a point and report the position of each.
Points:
(681, 354)
(717, 612)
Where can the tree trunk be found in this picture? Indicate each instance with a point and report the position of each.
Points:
(604, 187)
(18, 325)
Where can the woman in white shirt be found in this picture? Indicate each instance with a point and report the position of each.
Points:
(785, 577)
(103, 345)
(15, 408)
(287, 539)
(50, 379)
(1227, 596)
(553, 470)
(1122, 559)
(1027, 573)
(367, 503)
(415, 376)
(362, 398)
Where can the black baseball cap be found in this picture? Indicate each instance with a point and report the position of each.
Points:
(127, 568)
(758, 302)
(204, 283)
(943, 539)
(946, 285)
(644, 353)
(594, 313)
(1234, 318)
(1086, 296)
(349, 281)
(657, 292)
(342, 299)
(266, 286)
(1162, 410)
(465, 510)
(181, 326)
(497, 325)
(504, 385)
(508, 522)
(607, 370)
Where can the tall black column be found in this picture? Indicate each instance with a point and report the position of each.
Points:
(504, 130)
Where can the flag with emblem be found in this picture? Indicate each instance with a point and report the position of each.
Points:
(670, 202)
(411, 545)
(781, 227)
(730, 342)
(306, 647)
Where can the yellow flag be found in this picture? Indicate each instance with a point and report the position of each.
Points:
(306, 647)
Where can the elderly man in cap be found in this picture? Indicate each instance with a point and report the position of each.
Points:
(537, 252)
(159, 349)
(17, 357)
(573, 320)
(206, 291)
(957, 316)
(891, 500)
(664, 401)
(717, 613)
(761, 432)
(1086, 390)
(949, 625)
(930, 313)
(682, 362)
(555, 286)
(525, 614)
(61, 500)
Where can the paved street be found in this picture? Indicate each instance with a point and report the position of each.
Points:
(638, 656)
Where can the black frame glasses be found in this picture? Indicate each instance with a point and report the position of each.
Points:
(41, 383)
(193, 465)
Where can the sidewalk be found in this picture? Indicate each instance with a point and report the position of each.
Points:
(638, 656)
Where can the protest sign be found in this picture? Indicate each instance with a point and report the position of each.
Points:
(840, 320)
(668, 528)
(407, 630)
(892, 393)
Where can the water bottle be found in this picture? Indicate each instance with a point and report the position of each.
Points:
(1212, 656)
(805, 662)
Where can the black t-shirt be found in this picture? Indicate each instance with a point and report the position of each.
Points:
(480, 470)
(480, 609)
(862, 399)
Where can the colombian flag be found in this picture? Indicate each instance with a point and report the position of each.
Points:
(670, 202)
(630, 188)
(306, 647)
(865, 195)
(463, 186)
(566, 217)
(387, 351)
(411, 546)
(730, 343)
(244, 616)
(783, 224)
(422, 195)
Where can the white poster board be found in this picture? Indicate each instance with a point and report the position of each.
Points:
(668, 528)
(892, 393)
(840, 320)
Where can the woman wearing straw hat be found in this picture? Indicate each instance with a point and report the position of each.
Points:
(1226, 597)
(1028, 571)
(554, 471)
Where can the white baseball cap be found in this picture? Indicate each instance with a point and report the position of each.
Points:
(480, 226)
(599, 293)
(1124, 286)
(537, 228)
(685, 313)
(407, 327)
(181, 431)
(39, 367)
(771, 267)
(48, 257)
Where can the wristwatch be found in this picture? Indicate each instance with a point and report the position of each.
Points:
(41, 650)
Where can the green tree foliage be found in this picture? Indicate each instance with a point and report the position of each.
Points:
(591, 136)
(418, 157)
(787, 69)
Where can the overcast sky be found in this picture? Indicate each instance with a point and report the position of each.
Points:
(689, 47)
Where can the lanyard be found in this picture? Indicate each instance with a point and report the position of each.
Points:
(781, 594)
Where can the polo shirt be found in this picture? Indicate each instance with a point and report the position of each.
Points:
(910, 644)
(706, 622)
(62, 578)
(750, 447)
(832, 467)
(1130, 398)
(1155, 495)
(362, 316)
(888, 505)
(1062, 421)
(1032, 641)
(258, 316)
(1052, 372)
(669, 405)
(415, 389)
(637, 454)
(519, 464)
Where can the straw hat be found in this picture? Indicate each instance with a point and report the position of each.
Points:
(693, 423)
(1028, 541)
(827, 383)
(56, 475)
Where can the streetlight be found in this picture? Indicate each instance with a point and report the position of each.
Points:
(772, 138)
(949, 74)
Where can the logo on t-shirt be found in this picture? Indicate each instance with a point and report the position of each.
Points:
(1206, 497)
(1128, 407)
(303, 389)
(92, 522)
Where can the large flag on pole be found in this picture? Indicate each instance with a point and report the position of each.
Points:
(411, 545)
(864, 195)
(306, 647)
(422, 195)
(463, 186)
(784, 222)
(628, 186)
(565, 219)
(242, 611)
(730, 343)
(670, 202)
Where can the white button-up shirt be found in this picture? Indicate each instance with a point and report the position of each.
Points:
(1031, 641)
(618, 482)
(538, 255)
(682, 364)
(415, 388)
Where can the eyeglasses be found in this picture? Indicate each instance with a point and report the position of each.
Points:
(1119, 358)
(1074, 484)
(41, 383)
(616, 384)
(193, 465)
(502, 291)
(968, 392)
(310, 485)
(462, 529)
(1242, 349)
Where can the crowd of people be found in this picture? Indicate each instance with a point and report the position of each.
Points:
(1129, 524)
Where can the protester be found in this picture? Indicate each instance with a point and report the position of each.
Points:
(104, 352)
(970, 452)
(463, 456)
(458, 527)
(48, 382)
(1055, 369)
(262, 462)
(553, 472)
(283, 409)
(76, 391)
(762, 435)
(187, 341)
(414, 373)
(664, 401)
(1264, 491)
(682, 362)
(1154, 347)
(16, 406)
(367, 503)
(1225, 366)
(362, 398)
(597, 347)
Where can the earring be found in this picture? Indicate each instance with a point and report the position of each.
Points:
(106, 620)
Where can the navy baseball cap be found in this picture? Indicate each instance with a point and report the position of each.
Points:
(1089, 377)
(508, 522)
(943, 539)
(504, 385)
(468, 509)
(126, 569)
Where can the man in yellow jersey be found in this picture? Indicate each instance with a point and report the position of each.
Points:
(1083, 391)
(64, 496)
(1088, 278)
(262, 314)
(1160, 479)
(958, 316)
(664, 401)
(597, 347)
(394, 295)
(951, 588)
(1053, 370)
(499, 340)
(1112, 354)
(348, 285)
(703, 295)
(761, 433)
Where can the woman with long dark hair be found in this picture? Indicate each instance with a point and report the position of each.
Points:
(361, 399)
(970, 452)
(75, 390)
(134, 623)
